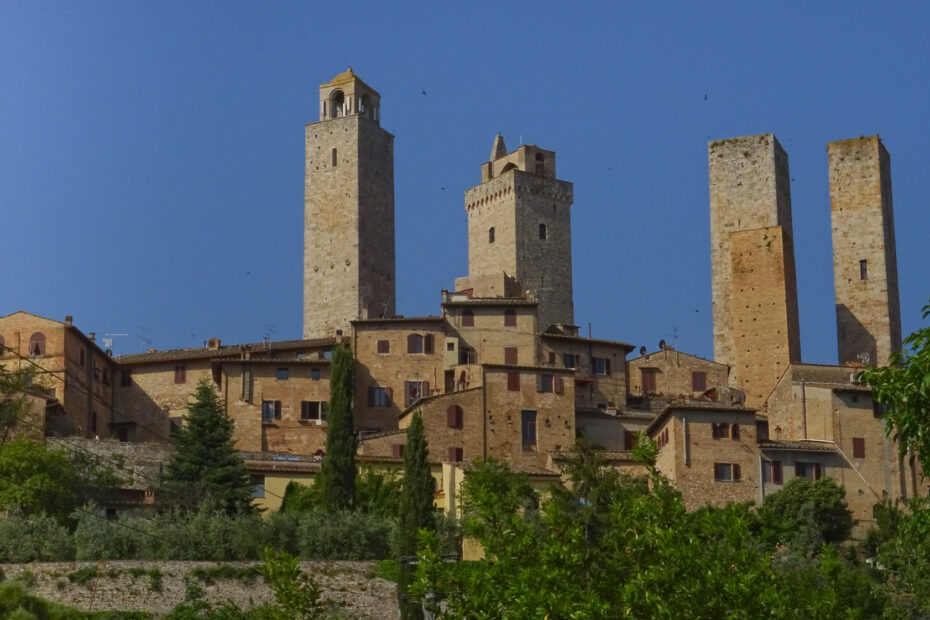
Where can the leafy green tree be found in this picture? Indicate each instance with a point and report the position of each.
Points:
(34, 479)
(205, 469)
(903, 387)
(336, 480)
(416, 507)
(806, 514)
(297, 596)
(905, 554)
(14, 404)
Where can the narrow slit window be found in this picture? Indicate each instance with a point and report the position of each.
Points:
(543, 234)
(491, 235)
(863, 269)
(335, 157)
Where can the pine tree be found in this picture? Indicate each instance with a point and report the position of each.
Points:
(205, 469)
(336, 480)
(416, 507)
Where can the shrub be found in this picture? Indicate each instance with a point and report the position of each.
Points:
(344, 535)
(34, 538)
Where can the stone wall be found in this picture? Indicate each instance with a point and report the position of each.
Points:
(763, 311)
(349, 224)
(351, 587)
(749, 189)
(593, 389)
(865, 268)
(674, 373)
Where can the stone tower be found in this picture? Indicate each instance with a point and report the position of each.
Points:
(348, 210)
(754, 289)
(865, 266)
(519, 232)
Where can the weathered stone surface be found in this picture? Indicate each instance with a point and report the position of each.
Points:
(865, 266)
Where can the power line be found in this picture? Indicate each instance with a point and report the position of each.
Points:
(88, 393)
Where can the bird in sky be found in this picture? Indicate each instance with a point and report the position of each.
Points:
(424, 93)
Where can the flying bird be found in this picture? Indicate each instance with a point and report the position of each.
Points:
(424, 93)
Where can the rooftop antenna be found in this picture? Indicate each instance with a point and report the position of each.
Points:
(143, 338)
(108, 339)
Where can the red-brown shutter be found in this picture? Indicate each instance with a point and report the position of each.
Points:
(510, 318)
(453, 454)
(859, 447)
(513, 381)
(735, 431)
(716, 471)
(559, 385)
(428, 344)
(736, 473)
(468, 317)
(698, 381)
(397, 450)
(629, 440)
(776, 472)
(510, 355)
(411, 343)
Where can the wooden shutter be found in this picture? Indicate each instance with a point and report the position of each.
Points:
(454, 454)
(510, 355)
(559, 385)
(397, 450)
(776, 472)
(736, 472)
(859, 447)
(411, 343)
(510, 318)
(714, 430)
(468, 317)
(698, 381)
(649, 380)
(606, 366)
(735, 432)
(384, 346)
(513, 381)
(371, 397)
(716, 471)
(428, 344)
(629, 440)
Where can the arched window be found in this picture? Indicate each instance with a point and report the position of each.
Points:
(414, 343)
(336, 102)
(543, 233)
(540, 164)
(37, 345)
(362, 103)
(491, 235)
(510, 318)
(468, 318)
(454, 416)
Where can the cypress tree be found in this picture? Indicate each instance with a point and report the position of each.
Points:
(337, 475)
(416, 507)
(205, 467)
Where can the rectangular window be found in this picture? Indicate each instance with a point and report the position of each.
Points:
(544, 384)
(450, 346)
(510, 318)
(454, 417)
(600, 365)
(313, 410)
(569, 360)
(414, 391)
(863, 270)
(510, 355)
(726, 472)
(551, 357)
(247, 384)
(315, 374)
(811, 471)
(698, 381)
(771, 472)
(455, 454)
(428, 344)
(648, 376)
(384, 346)
(379, 397)
(271, 410)
(126, 377)
(82, 357)
(282, 374)
(335, 157)
(721, 430)
(513, 381)
(258, 486)
(468, 318)
(397, 450)
(859, 447)
(180, 374)
(528, 430)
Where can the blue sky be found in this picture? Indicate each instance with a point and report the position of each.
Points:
(151, 154)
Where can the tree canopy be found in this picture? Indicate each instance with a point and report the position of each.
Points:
(903, 389)
(205, 468)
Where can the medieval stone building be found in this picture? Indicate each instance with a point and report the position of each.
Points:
(500, 369)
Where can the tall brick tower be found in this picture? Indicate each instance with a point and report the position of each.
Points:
(348, 210)
(755, 301)
(519, 227)
(865, 265)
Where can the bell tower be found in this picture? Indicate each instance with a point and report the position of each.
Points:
(348, 210)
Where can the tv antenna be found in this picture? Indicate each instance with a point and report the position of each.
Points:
(108, 339)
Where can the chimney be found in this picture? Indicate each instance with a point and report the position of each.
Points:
(92, 336)
(338, 336)
(69, 320)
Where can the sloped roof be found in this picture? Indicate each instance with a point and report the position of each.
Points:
(225, 351)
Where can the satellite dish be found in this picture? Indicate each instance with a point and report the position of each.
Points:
(662, 344)
(642, 350)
